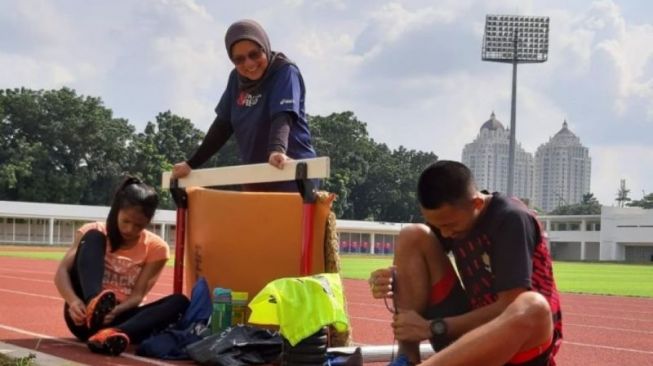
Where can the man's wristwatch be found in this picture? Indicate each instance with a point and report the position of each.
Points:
(439, 330)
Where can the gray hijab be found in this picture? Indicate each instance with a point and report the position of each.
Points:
(250, 30)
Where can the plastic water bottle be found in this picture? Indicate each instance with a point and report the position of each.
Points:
(239, 307)
(221, 318)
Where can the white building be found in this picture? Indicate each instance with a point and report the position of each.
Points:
(626, 234)
(617, 234)
(55, 224)
(487, 158)
(562, 171)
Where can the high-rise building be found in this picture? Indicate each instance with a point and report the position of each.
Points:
(562, 171)
(487, 158)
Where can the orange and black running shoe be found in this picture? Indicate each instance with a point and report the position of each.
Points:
(98, 308)
(108, 341)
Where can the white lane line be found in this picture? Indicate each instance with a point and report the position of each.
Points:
(27, 279)
(607, 310)
(79, 344)
(370, 304)
(359, 300)
(387, 321)
(607, 317)
(13, 270)
(376, 320)
(10, 270)
(608, 328)
(573, 294)
(59, 298)
(609, 347)
(621, 308)
(31, 294)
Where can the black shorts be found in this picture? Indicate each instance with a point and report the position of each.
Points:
(448, 298)
(545, 358)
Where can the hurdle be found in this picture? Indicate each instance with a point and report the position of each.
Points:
(301, 171)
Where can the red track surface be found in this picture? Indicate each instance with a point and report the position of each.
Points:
(599, 330)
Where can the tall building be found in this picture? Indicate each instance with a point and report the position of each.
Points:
(487, 158)
(562, 171)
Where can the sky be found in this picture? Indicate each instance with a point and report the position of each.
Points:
(411, 70)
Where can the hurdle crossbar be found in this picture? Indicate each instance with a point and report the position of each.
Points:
(301, 171)
(249, 174)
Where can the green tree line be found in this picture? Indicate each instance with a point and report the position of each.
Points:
(589, 205)
(60, 147)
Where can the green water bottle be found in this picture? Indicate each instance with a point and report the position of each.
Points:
(239, 307)
(221, 317)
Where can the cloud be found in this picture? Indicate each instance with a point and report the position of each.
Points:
(184, 63)
(38, 74)
(398, 42)
(610, 164)
(628, 48)
(37, 27)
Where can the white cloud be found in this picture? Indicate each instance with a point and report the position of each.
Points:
(610, 164)
(294, 3)
(394, 19)
(187, 65)
(336, 4)
(626, 46)
(37, 74)
(48, 26)
(192, 6)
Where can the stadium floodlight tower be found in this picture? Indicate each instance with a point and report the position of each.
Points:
(515, 39)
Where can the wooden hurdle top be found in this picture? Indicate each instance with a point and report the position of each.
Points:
(248, 174)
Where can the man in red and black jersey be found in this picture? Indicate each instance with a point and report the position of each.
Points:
(501, 306)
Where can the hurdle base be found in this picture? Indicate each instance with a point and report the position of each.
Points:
(383, 353)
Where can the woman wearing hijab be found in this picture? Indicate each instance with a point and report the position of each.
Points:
(262, 106)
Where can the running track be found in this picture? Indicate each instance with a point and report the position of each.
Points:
(599, 330)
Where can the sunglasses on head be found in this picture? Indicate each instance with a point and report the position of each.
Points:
(253, 55)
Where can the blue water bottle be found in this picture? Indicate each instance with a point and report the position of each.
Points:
(221, 318)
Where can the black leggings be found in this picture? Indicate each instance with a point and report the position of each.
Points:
(138, 323)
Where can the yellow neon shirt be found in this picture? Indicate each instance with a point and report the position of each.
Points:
(301, 306)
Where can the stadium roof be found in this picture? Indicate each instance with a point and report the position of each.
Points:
(69, 212)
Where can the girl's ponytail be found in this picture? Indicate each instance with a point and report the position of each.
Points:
(131, 192)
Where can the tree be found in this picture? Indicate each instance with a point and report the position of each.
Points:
(389, 192)
(57, 146)
(343, 138)
(622, 194)
(167, 140)
(174, 137)
(645, 202)
(371, 197)
(372, 181)
(589, 205)
(60, 147)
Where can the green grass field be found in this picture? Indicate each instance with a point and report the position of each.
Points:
(592, 278)
(52, 255)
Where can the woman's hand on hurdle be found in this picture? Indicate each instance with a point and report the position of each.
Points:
(380, 282)
(181, 170)
(278, 159)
